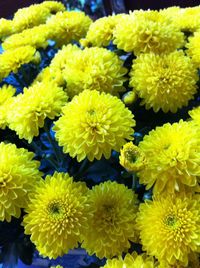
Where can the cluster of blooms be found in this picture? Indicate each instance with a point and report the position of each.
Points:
(81, 91)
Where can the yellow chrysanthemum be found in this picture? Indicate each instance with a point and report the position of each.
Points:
(129, 97)
(18, 177)
(195, 115)
(68, 26)
(131, 157)
(172, 158)
(131, 261)
(100, 32)
(11, 60)
(36, 37)
(170, 228)
(193, 262)
(57, 215)
(34, 15)
(29, 110)
(95, 69)
(165, 81)
(147, 31)
(6, 94)
(112, 225)
(188, 19)
(93, 125)
(194, 49)
(57, 266)
(5, 28)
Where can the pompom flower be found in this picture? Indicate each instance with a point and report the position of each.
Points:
(147, 31)
(57, 215)
(93, 125)
(29, 110)
(5, 28)
(18, 176)
(112, 224)
(170, 228)
(195, 115)
(131, 261)
(95, 69)
(165, 82)
(6, 94)
(12, 60)
(172, 158)
(194, 49)
(131, 158)
(68, 26)
(100, 32)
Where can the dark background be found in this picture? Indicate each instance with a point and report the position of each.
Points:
(8, 7)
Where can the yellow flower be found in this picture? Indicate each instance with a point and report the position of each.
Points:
(165, 81)
(131, 261)
(6, 94)
(29, 110)
(195, 115)
(12, 60)
(112, 224)
(5, 28)
(36, 37)
(57, 215)
(57, 266)
(147, 31)
(100, 32)
(129, 97)
(18, 177)
(131, 157)
(170, 227)
(68, 26)
(172, 158)
(193, 262)
(95, 69)
(34, 15)
(93, 124)
(193, 48)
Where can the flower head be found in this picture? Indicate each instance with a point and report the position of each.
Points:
(132, 261)
(112, 224)
(57, 215)
(95, 69)
(170, 228)
(5, 28)
(12, 60)
(172, 158)
(195, 115)
(6, 94)
(147, 31)
(29, 110)
(68, 26)
(131, 157)
(93, 124)
(18, 176)
(166, 81)
(193, 48)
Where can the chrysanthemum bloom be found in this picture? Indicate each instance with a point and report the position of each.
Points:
(95, 69)
(193, 262)
(147, 31)
(6, 94)
(100, 32)
(11, 60)
(112, 225)
(131, 157)
(131, 261)
(29, 110)
(165, 82)
(170, 228)
(18, 176)
(129, 97)
(172, 158)
(93, 125)
(68, 26)
(57, 215)
(34, 15)
(193, 48)
(5, 28)
(36, 37)
(195, 115)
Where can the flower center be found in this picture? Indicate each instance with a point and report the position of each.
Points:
(56, 209)
(131, 155)
(171, 221)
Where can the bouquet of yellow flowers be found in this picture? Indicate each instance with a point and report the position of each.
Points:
(100, 149)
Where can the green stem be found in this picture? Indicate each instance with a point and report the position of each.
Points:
(134, 181)
(51, 141)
